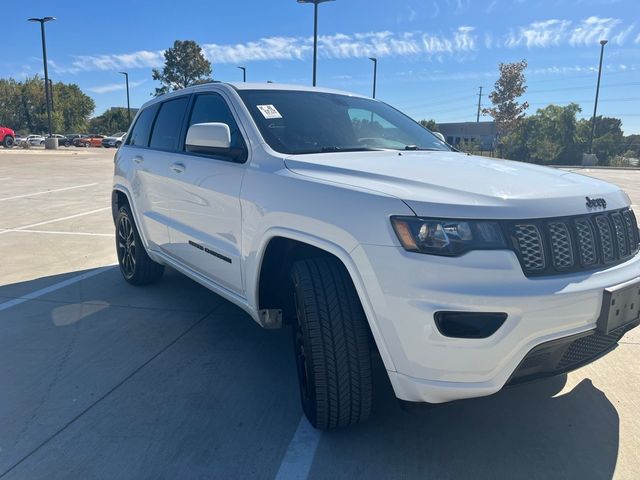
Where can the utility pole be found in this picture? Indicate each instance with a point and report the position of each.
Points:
(595, 105)
(479, 103)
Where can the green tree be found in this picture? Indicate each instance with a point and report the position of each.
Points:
(184, 65)
(506, 111)
(430, 125)
(608, 138)
(112, 121)
(23, 106)
(551, 136)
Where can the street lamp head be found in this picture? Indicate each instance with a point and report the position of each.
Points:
(373, 59)
(604, 42)
(123, 73)
(314, 1)
(242, 68)
(41, 20)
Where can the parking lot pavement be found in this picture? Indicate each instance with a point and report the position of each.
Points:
(100, 379)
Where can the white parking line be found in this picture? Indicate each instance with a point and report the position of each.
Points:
(48, 191)
(298, 459)
(53, 288)
(69, 217)
(90, 234)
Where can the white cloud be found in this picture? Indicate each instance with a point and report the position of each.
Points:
(592, 30)
(539, 34)
(114, 87)
(620, 37)
(139, 59)
(436, 45)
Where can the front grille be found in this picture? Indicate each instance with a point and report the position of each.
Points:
(570, 244)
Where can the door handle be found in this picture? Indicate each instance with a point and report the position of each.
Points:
(138, 159)
(177, 167)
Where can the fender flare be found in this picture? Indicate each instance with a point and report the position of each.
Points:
(336, 250)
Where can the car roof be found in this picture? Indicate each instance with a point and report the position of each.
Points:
(212, 86)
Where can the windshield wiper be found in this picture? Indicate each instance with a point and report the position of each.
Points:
(334, 148)
(415, 147)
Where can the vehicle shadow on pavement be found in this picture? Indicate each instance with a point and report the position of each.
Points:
(526, 431)
(170, 381)
(165, 381)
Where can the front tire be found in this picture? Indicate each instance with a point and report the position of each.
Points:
(8, 141)
(331, 344)
(135, 265)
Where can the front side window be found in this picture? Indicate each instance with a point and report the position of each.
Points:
(142, 129)
(166, 131)
(299, 122)
(212, 108)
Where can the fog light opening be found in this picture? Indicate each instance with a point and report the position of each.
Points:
(469, 324)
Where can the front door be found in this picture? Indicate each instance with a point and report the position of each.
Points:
(204, 201)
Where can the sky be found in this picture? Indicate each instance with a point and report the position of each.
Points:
(433, 55)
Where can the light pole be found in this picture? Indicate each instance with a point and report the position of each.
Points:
(51, 93)
(595, 105)
(375, 74)
(244, 73)
(315, 32)
(44, 59)
(126, 78)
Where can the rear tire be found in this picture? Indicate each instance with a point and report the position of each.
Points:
(135, 265)
(8, 141)
(331, 343)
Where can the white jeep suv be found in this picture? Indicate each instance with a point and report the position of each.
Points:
(342, 217)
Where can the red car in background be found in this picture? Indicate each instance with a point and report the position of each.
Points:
(7, 137)
(89, 141)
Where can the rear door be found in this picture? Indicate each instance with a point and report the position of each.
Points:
(205, 224)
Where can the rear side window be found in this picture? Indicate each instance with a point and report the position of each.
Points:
(140, 134)
(166, 131)
(211, 107)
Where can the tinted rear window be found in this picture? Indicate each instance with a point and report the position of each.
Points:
(166, 131)
(140, 134)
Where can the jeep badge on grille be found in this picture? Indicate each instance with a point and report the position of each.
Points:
(596, 203)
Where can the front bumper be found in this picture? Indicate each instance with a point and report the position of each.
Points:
(406, 289)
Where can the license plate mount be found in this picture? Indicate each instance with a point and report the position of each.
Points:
(620, 306)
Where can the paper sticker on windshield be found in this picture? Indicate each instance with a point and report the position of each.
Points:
(269, 111)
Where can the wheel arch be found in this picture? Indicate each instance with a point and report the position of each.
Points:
(272, 271)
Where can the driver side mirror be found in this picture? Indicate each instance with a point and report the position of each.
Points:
(208, 138)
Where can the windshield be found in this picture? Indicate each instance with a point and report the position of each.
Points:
(299, 122)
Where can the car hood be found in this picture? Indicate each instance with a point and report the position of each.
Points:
(458, 185)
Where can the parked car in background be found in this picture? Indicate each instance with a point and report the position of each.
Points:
(7, 137)
(89, 141)
(71, 139)
(114, 140)
(34, 140)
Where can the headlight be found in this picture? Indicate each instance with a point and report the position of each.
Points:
(447, 237)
